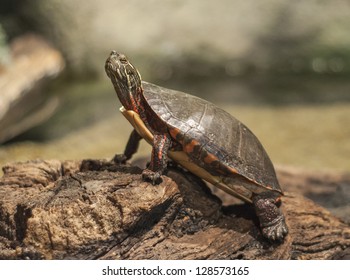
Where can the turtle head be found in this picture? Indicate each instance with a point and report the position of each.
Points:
(125, 78)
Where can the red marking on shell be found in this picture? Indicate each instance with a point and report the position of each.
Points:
(189, 148)
(233, 170)
(174, 132)
(210, 158)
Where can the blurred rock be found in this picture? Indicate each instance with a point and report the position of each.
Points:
(23, 102)
(4, 50)
(234, 36)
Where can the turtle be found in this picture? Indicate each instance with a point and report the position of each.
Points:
(202, 138)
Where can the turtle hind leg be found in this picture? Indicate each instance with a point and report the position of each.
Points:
(130, 149)
(271, 218)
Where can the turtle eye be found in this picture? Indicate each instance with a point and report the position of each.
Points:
(123, 59)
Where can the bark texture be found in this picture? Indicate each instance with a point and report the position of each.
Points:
(93, 209)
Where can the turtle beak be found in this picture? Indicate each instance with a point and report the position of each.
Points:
(114, 53)
(112, 64)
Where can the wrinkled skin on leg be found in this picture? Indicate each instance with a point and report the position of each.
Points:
(271, 218)
(159, 160)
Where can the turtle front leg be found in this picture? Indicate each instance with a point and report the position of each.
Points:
(161, 145)
(130, 149)
(271, 218)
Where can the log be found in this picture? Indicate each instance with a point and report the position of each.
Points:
(95, 209)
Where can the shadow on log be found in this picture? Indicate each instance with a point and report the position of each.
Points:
(93, 209)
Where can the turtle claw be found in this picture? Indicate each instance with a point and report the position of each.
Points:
(120, 159)
(276, 231)
(272, 221)
(153, 177)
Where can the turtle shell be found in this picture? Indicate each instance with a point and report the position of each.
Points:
(213, 139)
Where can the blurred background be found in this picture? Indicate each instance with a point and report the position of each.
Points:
(281, 67)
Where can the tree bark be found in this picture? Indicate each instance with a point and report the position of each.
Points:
(93, 209)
